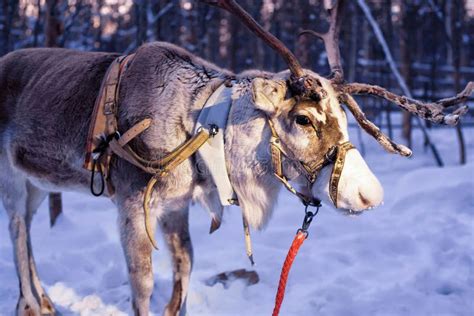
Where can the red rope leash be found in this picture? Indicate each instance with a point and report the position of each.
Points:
(301, 235)
(285, 270)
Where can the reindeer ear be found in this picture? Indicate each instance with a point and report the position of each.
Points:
(268, 94)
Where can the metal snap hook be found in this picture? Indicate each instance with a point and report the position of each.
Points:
(308, 217)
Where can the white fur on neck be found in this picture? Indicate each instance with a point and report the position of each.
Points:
(249, 162)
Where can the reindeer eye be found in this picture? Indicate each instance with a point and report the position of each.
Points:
(302, 120)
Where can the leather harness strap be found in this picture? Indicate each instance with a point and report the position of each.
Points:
(133, 132)
(189, 148)
(104, 140)
(104, 122)
(342, 150)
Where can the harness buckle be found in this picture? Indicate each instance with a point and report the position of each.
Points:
(308, 218)
(109, 108)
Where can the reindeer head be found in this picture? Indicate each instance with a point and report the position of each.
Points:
(310, 130)
(305, 114)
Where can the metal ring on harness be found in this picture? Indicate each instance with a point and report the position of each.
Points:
(97, 155)
(308, 218)
(102, 181)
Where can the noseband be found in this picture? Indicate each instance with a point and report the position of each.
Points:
(335, 155)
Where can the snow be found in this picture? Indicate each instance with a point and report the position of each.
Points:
(411, 256)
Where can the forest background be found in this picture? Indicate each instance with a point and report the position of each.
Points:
(432, 41)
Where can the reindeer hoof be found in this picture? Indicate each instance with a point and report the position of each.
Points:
(28, 307)
(47, 307)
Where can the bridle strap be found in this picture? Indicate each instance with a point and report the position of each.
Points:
(342, 150)
(104, 141)
(276, 153)
(335, 154)
(277, 163)
(159, 168)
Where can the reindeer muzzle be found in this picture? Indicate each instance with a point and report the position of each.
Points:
(336, 155)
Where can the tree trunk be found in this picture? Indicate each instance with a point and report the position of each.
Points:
(52, 33)
(55, 207)
(100, 26)
(9, 11)
(405, 69)
(386, 76)
(141, 9)
(37, 26)
(456, 23)
(53, 24)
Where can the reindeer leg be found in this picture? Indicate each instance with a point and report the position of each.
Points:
(46, 305)
(137, 249)
(13, 193)
(176, 231)
(27, 303)
(35, 198)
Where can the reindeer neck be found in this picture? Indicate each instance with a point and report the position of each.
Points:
(248, 157)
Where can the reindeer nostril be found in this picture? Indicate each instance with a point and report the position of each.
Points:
(364, 200)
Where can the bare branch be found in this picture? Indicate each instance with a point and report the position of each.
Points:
(154, 18)
(371, 128)
(331, 39)
(432, 111)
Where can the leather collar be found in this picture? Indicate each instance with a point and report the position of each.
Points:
(215, 114)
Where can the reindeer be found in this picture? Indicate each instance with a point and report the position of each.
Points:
(47, 98)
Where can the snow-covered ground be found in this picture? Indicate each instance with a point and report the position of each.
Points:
(412, 256)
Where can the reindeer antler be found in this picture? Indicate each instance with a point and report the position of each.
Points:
(372, 129)
(301, 83)
(308, 86)
(427, 111)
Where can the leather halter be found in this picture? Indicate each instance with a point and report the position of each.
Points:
(336, 154)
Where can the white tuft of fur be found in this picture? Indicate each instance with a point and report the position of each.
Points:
(209, 199)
